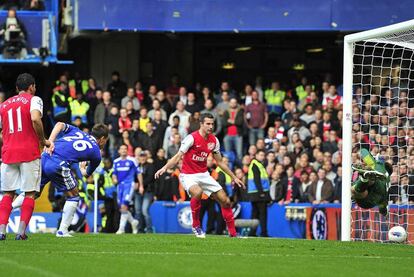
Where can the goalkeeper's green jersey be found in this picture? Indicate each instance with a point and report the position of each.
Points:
(377, 194)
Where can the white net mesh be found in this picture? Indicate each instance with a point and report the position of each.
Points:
(383, 122)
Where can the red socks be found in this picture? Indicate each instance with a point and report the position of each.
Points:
(195, 205)
(5, 209)
(229, 219)
(27, 210)
(226, 212)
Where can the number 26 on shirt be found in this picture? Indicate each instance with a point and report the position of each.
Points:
(78, 143)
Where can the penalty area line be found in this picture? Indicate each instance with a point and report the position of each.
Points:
(28, 267)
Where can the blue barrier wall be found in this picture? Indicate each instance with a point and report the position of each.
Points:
(241, 15)
(306, 220)
(175, 217)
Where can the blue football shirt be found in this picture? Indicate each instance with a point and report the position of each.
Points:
(125, 170)
(74, 146)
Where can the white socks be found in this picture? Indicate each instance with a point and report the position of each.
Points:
(17, 203)
(123, 221)
(68, 211)
(125, 217)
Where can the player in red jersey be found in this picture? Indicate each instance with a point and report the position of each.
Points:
(23, 137)
(194, 176)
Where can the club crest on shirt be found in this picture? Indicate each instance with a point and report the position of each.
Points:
(211, 145)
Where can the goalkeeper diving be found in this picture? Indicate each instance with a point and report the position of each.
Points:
(371, 187)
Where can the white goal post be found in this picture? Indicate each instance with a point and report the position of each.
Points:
(393, 38)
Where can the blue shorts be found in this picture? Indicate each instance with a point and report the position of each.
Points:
(58, 172)
(125, 192)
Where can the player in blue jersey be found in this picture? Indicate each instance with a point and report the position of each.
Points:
(71, 145)
(124, 175)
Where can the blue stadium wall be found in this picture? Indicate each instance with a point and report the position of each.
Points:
(241, 15)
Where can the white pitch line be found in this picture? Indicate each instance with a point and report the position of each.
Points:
(28, 267)
(154, 253)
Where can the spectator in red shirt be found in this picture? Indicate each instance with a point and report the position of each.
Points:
(334, 98)
(256, 118)
(124, 121)
(233, 128)
(139, 93)
(290, 187)
(326, 124)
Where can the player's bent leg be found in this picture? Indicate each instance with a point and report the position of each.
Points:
(195, 191)
(69, 210)
(226, 211)
(195, 203)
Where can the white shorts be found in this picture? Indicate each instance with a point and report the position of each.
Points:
(21, 176)
(204, 180)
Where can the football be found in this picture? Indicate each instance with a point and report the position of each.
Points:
(397, 234)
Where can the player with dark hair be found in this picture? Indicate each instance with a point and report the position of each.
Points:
(194, 150)
(71, 146)
(74, 146)
(23, 136)
(371, 187)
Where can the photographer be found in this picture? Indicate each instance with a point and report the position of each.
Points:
(13, 32)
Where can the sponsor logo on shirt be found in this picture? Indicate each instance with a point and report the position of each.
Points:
(123, 168)
(203, 156)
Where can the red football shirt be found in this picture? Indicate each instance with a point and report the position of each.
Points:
(20, 142)
(196, 150)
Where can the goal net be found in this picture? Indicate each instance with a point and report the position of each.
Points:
(379, 116)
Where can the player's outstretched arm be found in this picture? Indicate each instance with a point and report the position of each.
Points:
(222, 165)
(171, 163)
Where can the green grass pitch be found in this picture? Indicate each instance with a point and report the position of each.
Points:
(185, 255)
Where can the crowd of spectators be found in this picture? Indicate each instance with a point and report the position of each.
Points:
(383, 121)
(298, 128)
